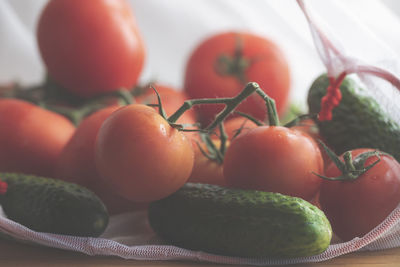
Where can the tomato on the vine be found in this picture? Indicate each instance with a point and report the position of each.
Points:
(91, 47)
(274, 159)
(222, 65)
(141, 155)
(356, 206)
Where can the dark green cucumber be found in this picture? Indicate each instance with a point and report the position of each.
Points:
(243, 223)
(358, 121)
(53, 206)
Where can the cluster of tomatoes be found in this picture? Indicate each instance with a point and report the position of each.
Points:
(134, 154)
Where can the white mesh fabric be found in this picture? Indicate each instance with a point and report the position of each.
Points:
(129, 236)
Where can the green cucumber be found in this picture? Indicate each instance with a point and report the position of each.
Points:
(53, 206)
(243, 223)
(358, 122)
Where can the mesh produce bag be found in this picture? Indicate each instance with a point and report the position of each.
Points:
(129, 235)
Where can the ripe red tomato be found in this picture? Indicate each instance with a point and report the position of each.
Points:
(356, 207)
(141, 155)
(91, 47)
(31, 138)
(274, 159)
(214, 71)
(76, 163)
(309, 127)
(171, 100)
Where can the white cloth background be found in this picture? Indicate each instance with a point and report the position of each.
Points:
(365, 29)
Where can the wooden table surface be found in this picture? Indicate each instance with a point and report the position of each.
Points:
(16, 254)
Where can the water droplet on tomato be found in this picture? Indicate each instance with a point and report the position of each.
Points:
(162, 129)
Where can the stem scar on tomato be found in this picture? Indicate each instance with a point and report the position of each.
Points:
(236, 65)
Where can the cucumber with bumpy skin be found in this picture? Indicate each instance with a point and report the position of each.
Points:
(244, 223)
(358, 121)
(52, 206)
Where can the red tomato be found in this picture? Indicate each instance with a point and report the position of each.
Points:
(205, 170)
(274, 159)
(309, 127)
(31, 138)
(356, 207)
(91, 47)
(141, 155)
(76, 163)
(171, 100)
(212, 71)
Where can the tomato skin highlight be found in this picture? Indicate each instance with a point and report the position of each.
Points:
(356, 207)
(31, 138)
(268, 68)
(141, 155)
(274, 159)
(91, 47)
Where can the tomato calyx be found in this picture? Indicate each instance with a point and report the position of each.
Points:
(236, 65)
(350, 168)
(213, 152)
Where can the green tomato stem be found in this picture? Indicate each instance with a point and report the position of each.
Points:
(273, 119)
(188, 104)
(348, 161)
(250, 118)
(74, 115)
(161, 110)
(223, 137)
(299, 119)
(124, 95)
(230, 104)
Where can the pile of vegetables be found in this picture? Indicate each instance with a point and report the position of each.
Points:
(92, 125)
